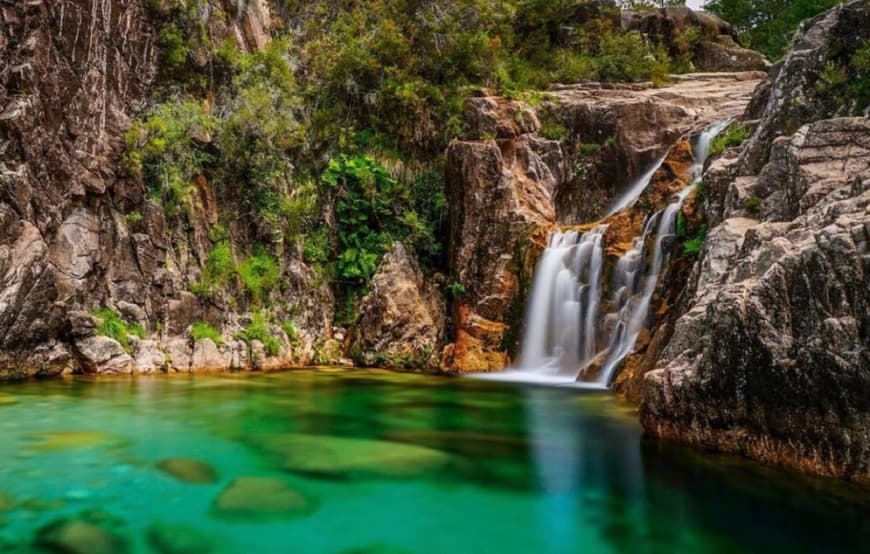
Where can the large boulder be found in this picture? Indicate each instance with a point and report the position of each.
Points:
(709, 42)
(402, 318)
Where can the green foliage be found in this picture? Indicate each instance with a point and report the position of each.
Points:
(767, 25)
(733, 136)
(168, 148)
(455, 290)
(290, 330)
(111, 324)
(624, 57)
(753, 205)
(202, 330)
(587, 149)
(554, 130)
(260, 272)
(372, 211)
(259, 330)
(218, 270)
(693, 246)
(846, 77)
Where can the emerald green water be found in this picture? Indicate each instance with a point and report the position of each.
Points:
(382, 462)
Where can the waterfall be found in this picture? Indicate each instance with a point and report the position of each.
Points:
(570, 327)
(560, 330)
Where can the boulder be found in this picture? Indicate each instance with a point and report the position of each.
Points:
(208, 357)
(401, 318)
(189, 470)
(100, 355)
(77, 536)
(262, 498)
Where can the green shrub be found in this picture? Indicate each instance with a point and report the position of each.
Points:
(260, 272)
(168, 148)
(753, 205)
(218, 271)
(290, 330)
(734, 135)
(587, 149)
(202, 330)
(111, 324)
(693, 246)
(372, 211)
(554, 130)
(259, 330)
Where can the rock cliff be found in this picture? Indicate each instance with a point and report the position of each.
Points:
(77, 233)
(768, 354)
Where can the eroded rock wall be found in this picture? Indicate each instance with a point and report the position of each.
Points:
(73, 76)
(770, 354)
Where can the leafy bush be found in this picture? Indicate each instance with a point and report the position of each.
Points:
(753, 205)
(371, 210)
(168, 148)
(111, 324)
(554, 130)
(693, 246)
(733, 136)
(290, 330)
(259, 330)
(202, 330)
(260, 272)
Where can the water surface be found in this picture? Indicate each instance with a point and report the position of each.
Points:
(369, 461)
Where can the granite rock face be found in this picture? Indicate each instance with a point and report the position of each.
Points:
(769, 352)
(73, 76)
(403, 317)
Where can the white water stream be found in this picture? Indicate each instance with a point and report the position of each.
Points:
(569, 326)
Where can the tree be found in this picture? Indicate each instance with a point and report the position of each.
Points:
(767, 25)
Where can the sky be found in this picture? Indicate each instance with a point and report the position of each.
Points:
(694, 3)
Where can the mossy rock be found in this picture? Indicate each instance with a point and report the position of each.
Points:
(189, 470)
(178, 539)
(337, 457)
(262, 498)
(75, 536)
(7, 502)
(54, 441)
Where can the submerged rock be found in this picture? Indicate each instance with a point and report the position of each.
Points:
(178, 539)
(74, 536)
(262, 498)
(339, 457)
(69, 440)
(189, 470)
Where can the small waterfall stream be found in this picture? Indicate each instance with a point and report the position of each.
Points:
(569, 326)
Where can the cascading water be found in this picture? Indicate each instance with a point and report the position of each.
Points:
(566, 329)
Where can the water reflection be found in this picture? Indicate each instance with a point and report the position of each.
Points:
(409, 463)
